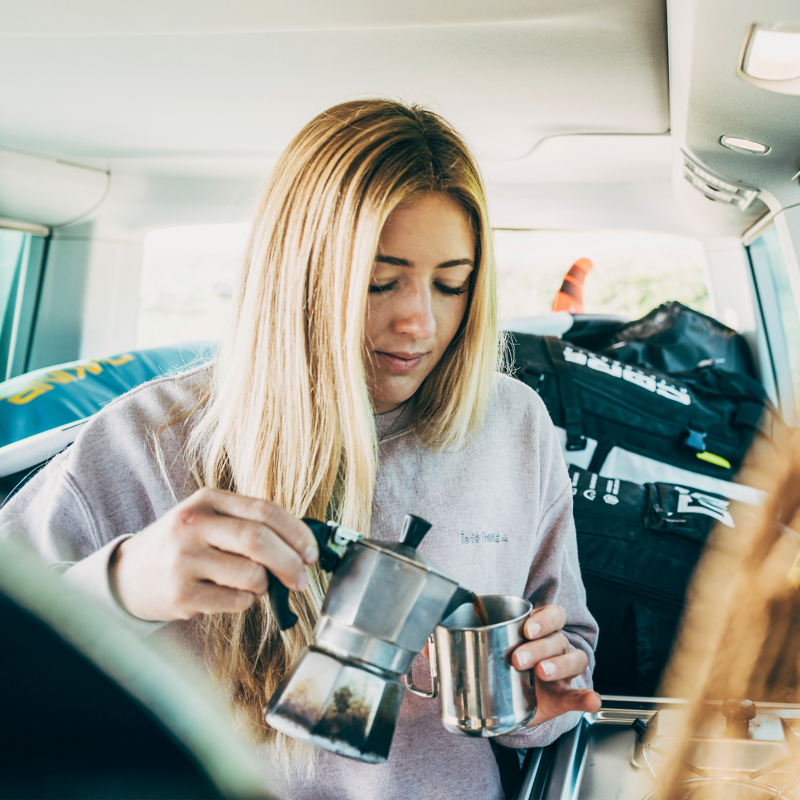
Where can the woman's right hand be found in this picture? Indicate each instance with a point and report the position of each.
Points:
(210, 554)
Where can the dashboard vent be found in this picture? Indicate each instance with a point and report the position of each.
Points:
(716, 189)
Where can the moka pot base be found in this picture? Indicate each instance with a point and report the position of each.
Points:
(337, 705)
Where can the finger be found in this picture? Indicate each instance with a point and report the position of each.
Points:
(425, 652)
(563, 667)
(208, 598)
(226, 569)
(544, 621)
(259, 544)
(531, 653)
(579, 700)
(288, 527)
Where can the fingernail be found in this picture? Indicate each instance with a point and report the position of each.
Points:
(548, 667)
(302, 581)
(533, 629)
(311, 554)
(523, 658)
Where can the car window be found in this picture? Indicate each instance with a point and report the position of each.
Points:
(633, 271)
(188, 272)
(187, 277)
(20, 269)
(779, 309)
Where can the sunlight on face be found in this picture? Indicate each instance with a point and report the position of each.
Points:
(417, 296)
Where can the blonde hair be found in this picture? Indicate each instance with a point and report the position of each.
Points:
(740, 637)
(288, 414)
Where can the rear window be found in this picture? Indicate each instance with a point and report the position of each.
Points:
(633, 271)
(188, 274)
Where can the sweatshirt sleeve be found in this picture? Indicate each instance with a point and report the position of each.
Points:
(555, 578)
(51, 517)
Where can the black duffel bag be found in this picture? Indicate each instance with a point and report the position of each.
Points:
(691, 428)
(638, 546)
(671, 338)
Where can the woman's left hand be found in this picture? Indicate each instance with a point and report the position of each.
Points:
(554, 663)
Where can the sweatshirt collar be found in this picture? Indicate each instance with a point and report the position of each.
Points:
(397, 421)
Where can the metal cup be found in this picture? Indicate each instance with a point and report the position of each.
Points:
(480, 693)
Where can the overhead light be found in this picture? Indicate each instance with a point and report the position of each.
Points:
(744, 145)
(770, 57)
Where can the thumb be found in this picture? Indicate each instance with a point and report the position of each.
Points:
(579, 700)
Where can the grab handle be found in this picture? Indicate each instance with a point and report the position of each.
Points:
(428, 694)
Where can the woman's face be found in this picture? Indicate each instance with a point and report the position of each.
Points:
(417, 295)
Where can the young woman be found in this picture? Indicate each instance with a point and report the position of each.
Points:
(358, 383)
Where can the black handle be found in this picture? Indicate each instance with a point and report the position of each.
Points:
(414, 530)
(641, 728)
(328, 559)
(279, 603)
(279, 594)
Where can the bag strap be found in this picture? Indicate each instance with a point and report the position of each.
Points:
(749, 414)
(509, 768)
(573, 419)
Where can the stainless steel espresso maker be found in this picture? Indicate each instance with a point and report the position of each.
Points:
(343, 693)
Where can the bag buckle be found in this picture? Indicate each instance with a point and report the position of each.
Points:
(696, 439)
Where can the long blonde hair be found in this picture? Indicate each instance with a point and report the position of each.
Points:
(288, 415)
(740, 637)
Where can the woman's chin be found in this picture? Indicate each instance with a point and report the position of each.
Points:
(386, 398)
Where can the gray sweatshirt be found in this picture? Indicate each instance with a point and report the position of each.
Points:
(501, 511)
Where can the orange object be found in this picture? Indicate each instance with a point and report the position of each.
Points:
(570, 296)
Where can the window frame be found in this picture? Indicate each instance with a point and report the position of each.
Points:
(18, 318)
(769, 309)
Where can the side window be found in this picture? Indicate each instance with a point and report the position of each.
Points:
(187, 277)
(633, 271)
(21, 256)
(781, 321)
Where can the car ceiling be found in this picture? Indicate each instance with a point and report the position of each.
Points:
(166, 78)
(568, 104)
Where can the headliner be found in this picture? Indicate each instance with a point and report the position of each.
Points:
(85, 79)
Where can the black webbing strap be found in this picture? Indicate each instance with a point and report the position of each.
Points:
(754, 416)
(509, 767)
(573, 419)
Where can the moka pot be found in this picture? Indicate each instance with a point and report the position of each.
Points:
(343, 693)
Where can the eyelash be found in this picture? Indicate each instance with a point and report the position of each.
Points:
(448, 290)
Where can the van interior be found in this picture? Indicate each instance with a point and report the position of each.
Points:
(657, 138)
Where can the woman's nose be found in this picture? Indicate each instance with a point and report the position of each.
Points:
(414, 315)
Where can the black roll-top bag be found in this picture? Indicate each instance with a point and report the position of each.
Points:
(671, 338)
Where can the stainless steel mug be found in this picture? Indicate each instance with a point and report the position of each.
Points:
(480, 693)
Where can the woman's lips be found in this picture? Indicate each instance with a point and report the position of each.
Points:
(399, 362)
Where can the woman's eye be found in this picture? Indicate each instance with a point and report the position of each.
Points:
(384, 288)
(451, 290)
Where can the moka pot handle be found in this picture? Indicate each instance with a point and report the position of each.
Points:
(279, 594)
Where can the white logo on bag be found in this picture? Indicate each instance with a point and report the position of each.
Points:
(591, 493)
(709, 506)
(617, 370)
(612, 489)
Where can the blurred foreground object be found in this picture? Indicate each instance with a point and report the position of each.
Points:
(740, 639)
(90, 710)
(570, 296)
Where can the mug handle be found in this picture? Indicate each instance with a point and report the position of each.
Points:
(409, 680)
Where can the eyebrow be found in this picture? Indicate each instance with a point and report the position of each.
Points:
(402, 262)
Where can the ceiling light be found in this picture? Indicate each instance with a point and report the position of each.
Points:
(771, 57)
(744, 145)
